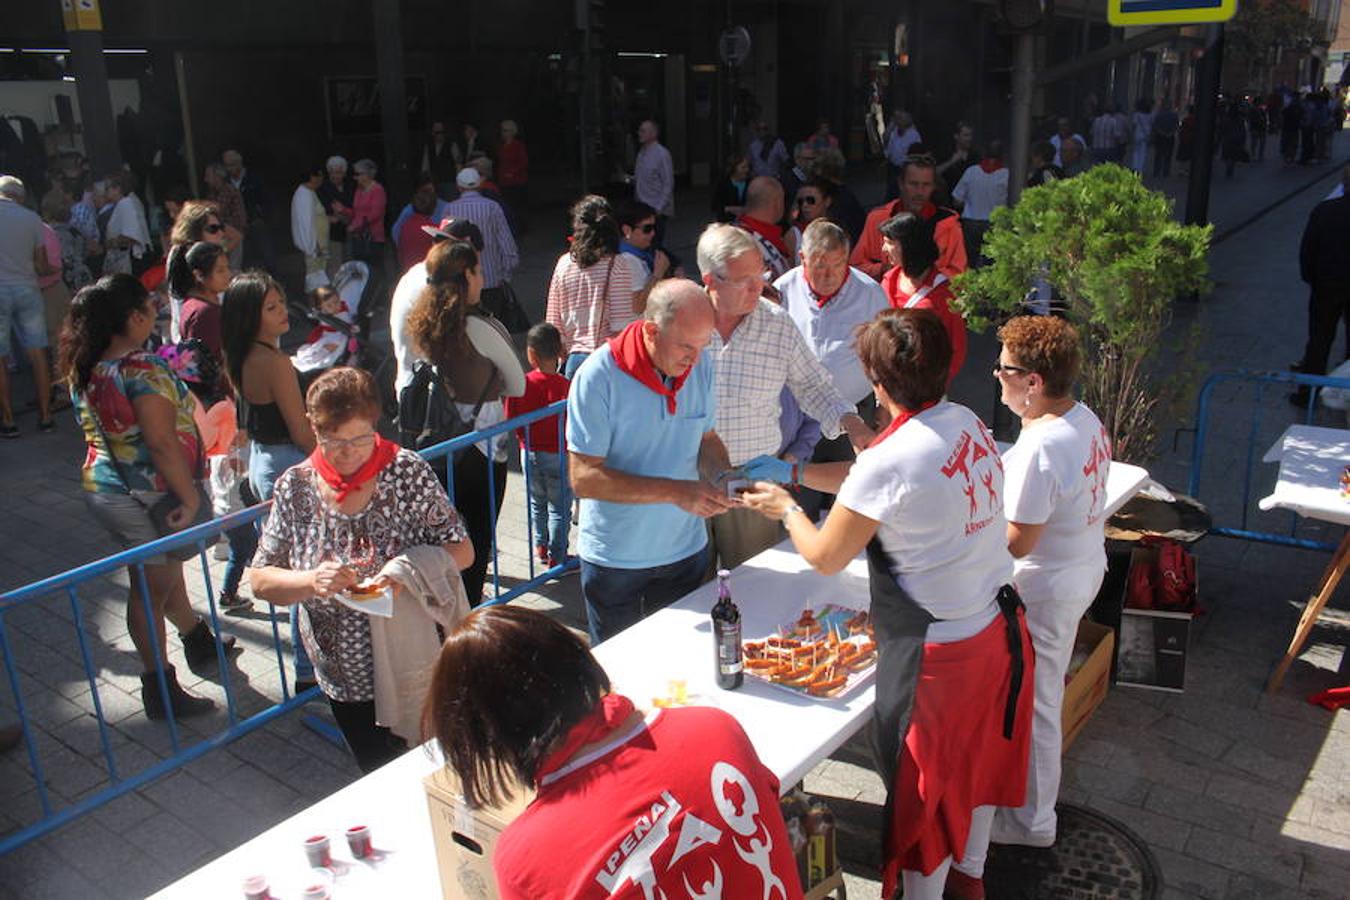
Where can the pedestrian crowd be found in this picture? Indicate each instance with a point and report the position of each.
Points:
(790, 382)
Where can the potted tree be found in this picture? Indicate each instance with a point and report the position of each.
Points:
(1115, 258)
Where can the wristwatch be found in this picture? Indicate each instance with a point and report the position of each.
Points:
(796, 507)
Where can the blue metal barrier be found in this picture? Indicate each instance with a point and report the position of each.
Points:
(203, 537)
(1264, 384)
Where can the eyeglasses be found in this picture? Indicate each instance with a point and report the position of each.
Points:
(360, 442)
(748, 283)
(1001, 369)
(214, 228)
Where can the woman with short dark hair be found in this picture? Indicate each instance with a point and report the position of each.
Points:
(1054, 496)
(590, 299)
(925, 502)
(356, 503)
(915, 282)
(517, 701)
(143, 447)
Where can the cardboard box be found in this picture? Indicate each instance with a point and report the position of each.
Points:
(1088, 684)
(465, 837)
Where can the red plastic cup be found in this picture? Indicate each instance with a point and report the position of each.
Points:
(358, 841)
(317, 851)
(256, 888)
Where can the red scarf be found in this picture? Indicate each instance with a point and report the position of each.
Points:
(381, 456)
(770, 233)
(630, 354)
(822, 300)
(904, 416)
(608, 715)
(991, 164)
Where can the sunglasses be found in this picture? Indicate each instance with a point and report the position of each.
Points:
(1001, 369)
(806, 201)
(646, 229)
(214, 228)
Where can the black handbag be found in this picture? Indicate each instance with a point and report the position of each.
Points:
(159, 510)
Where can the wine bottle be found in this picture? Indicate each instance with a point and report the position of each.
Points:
(726, 620)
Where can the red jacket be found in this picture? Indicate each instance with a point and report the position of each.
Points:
(513, 164)
(951, 242)
(939, 299)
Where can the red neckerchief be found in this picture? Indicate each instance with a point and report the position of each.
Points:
(609, 714)
(323, 328)
(770, 233)
(631, 356)
(904, 416)
(991, 164)
(929, 210)
(821, 300)
(383, 455)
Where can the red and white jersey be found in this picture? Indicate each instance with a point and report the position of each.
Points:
(1056, 477)
(936, 487)
(678, 806)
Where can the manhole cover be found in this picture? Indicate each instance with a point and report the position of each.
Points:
(1094, 858)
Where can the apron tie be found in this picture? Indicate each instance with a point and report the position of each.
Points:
(1009, 602)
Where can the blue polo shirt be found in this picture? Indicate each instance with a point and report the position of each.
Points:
(612, 415)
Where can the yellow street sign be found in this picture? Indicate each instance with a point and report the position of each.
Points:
(81, 15)
(1169, 12)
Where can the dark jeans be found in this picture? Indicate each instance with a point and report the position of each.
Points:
(470, 499)
(243, 542)
(1328, 304)
(574, 361)
(372, 745)
(1162, 156)
(618, 598)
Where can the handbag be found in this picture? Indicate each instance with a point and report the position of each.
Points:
(159, 510)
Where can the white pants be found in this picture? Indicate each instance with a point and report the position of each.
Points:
(919, 886)
(1055, 603)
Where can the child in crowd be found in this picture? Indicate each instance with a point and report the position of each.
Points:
(546, 460)
(324, 345)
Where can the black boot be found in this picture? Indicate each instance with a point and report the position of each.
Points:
(184, 704)
(199, 647)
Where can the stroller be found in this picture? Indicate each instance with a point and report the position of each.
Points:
(344, 339)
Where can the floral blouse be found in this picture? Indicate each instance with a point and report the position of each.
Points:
(408, 509)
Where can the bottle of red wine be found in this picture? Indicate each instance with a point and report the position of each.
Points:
(726, 620)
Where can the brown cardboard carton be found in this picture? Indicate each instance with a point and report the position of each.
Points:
(1087, 686)
(466, 837)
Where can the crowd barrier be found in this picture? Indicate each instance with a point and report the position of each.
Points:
(1266, 391)
(69, 584)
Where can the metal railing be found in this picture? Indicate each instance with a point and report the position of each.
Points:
(203, 537)
(1261, 431)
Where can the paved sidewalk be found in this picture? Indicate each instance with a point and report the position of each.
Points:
(1236, 793)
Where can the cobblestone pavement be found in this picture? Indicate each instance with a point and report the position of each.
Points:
(1237, 794)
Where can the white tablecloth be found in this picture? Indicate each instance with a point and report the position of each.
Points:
(1311, 461)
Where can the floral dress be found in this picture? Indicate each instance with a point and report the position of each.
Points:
(408, 509)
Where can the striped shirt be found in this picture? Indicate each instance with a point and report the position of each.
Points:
(591, 304)
(499, 255)
(764, 353)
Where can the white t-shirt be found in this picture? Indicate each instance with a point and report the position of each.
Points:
(1055, 475)
(400, 307)
(981, 192)
(936, 487)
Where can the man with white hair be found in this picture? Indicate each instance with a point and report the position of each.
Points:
(646, 461)
(337, 194)
(258, 243)
(23, 257)
(757, 351)
(827, 300)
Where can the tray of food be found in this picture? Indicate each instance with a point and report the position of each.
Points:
(826, 652)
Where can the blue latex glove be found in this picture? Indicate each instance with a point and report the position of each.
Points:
(771, 468)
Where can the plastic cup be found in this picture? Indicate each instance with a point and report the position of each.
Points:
(679, 691)
(358, 841)
(318, 852)
(256, 888)
(318, 885)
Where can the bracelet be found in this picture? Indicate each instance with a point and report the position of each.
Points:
(796, 507)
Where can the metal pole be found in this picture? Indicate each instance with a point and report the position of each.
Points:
(1206, 112)
(393, 96)
(189, 151)
(1023, 77)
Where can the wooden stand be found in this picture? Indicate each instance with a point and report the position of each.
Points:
(834, 882)
(1326, 586)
